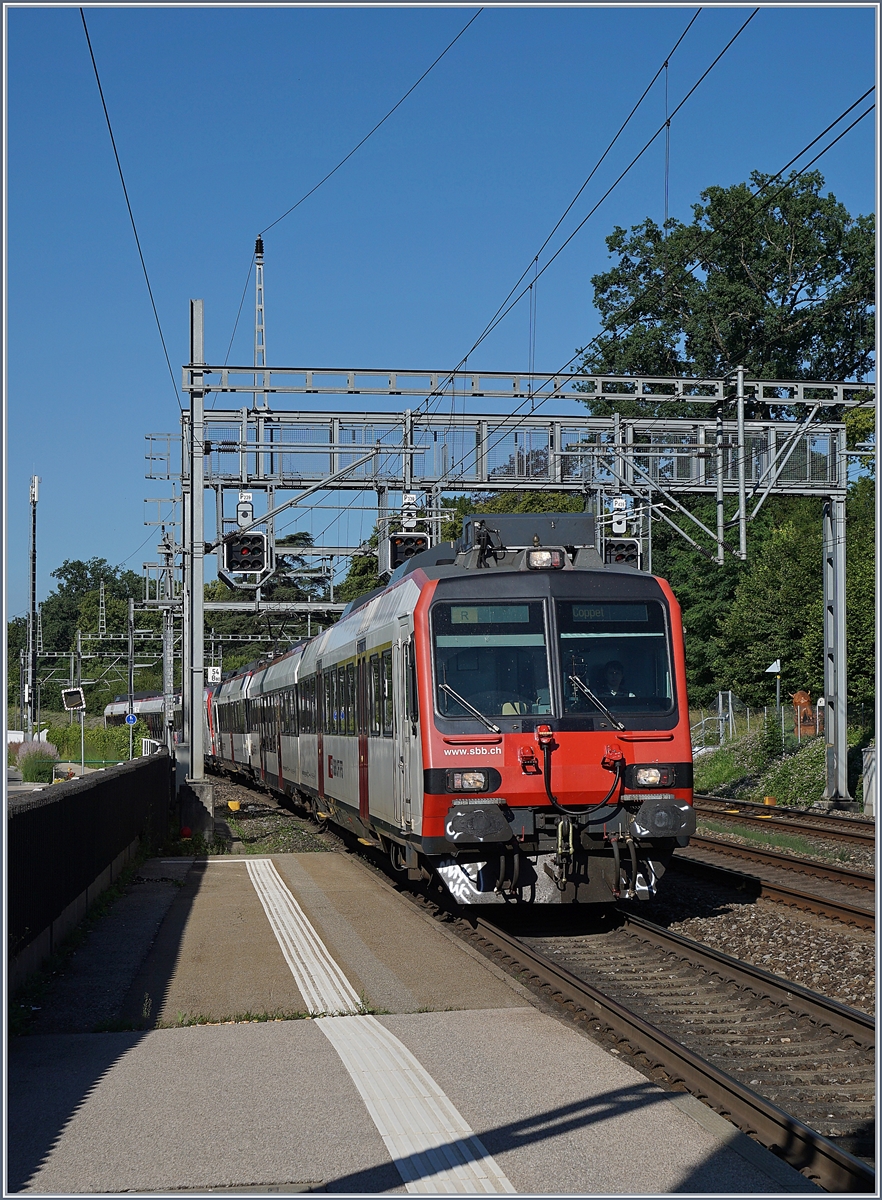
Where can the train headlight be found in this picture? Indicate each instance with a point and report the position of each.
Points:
(545, 560)
(467, 781)
(649, 776)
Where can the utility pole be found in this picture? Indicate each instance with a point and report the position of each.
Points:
(31, 680)
(166, 549)
(102, 611)
(130, 630)
(194, 564)
(742, 469)
(721, 495)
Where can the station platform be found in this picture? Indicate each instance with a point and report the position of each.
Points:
(306, 1028)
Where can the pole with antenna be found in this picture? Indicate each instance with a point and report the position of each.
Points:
(31, 679)
(259, 327)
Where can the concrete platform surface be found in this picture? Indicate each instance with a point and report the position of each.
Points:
(285, 1106)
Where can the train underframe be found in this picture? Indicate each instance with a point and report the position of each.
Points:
(496, 854)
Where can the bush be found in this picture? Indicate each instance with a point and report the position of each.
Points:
(107, 745)
(798, 779)
(751, 752)
(772, 740)
(36, 761)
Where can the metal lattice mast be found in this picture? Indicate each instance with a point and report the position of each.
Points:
(259, 326)
(40, 630)
(102, 611)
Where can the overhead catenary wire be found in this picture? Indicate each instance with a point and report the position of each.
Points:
(382, 121)
(507, 309)
(347, 157)
(541, 486)
(129, 208)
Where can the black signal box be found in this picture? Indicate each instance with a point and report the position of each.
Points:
(403, 546)
(245, 552)
(622, 552)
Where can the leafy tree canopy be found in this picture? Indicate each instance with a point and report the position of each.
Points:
(774, 277)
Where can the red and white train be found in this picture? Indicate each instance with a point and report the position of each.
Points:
(508, 714)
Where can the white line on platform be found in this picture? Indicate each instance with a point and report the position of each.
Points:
(430, 1143)
(323, 985)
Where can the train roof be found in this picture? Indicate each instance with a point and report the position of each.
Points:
(503, 542)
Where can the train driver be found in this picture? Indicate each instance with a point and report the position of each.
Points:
(611, 682)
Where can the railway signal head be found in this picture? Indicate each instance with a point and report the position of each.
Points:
(245, 552)
(624, 552)
(403, 546)
(620, 516)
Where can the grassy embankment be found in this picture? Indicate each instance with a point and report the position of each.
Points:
(760, 764)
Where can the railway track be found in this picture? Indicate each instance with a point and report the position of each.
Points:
(790, 1068)
(823, 905)
(839, 829)
(788, 862)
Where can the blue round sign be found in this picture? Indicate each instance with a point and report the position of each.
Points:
(131, 719)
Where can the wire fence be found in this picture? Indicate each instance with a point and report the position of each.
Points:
(731, 719)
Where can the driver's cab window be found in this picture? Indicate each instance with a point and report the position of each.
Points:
(492, 656)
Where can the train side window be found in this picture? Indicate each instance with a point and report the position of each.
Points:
(309, 705)
(387, 693)
(350, 698)
(376, 697)
(412, 706)
(341, 700)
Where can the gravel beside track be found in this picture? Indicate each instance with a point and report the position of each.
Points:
(816, 1065)
(858, 858)
(835, 960)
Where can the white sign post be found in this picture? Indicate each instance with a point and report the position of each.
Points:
(74, 700)
(131, 721)
(775, 669)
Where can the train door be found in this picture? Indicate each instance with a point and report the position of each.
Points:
(319, 728)
(405, 726)
(362, 719)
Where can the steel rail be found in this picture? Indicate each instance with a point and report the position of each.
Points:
(860, 832)
(848, 914)
(789, 1138)
(790, 862)
(786, 1136)
(802, 1001)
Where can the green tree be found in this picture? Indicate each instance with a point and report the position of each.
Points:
(769, 615)
(776, 277)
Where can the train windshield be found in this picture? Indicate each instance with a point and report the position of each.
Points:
(495, 656)
(617, 650)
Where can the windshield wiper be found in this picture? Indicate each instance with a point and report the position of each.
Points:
(445, 687)
(574, 679)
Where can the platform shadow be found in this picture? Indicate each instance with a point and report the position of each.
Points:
(50, 1076)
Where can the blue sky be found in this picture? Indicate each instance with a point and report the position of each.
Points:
(223, 117)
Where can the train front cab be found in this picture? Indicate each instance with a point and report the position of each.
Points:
(582, 790)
